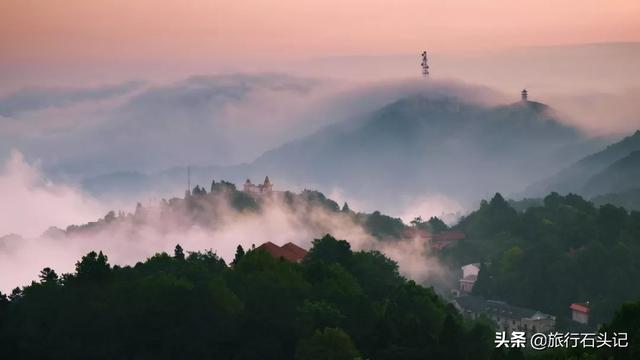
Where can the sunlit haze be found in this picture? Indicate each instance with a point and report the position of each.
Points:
(61, 39)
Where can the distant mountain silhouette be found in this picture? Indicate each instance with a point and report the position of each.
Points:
(426, 145)
(629, 199)
(621, 176)
(417, 145)
(614, 169)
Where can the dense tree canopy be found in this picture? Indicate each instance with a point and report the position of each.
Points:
(336, 304)
(563, 251)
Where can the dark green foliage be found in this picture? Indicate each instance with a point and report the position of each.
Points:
(239, 254)
(329, 250)
(383, 226)
(93, 267)
(199, 191)
(48, 276)
(626, 319)
(337, 304)
(222, 186)
(4, 307)
(178, 252)
(433, 225)
(436, 224)
(524, 204)
(549, 256)
(327, 344)
(242, 201)
(316, 198)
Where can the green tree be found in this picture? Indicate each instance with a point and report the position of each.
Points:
(239, 254)
(93, 266)
(327, 344)
(328, 249)
(437, 225)
(178, 252)
(48, 276)
(450, 339)
(417, 221)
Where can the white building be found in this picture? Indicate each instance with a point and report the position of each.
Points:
(506, 317)
(469, 277)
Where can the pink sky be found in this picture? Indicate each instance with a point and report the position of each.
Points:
(53, 42)
(140, 30)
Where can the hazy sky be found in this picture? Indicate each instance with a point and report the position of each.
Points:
(40, 36)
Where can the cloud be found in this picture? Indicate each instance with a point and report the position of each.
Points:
(601, 113)
(41, 98)
(220, 119)
(30, 203)
(426, 206)
(33, 205)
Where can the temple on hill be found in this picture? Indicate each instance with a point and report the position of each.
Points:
(264, 188)
(525, 95)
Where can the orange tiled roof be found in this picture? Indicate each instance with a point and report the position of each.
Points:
(288, 251)
(583, 308)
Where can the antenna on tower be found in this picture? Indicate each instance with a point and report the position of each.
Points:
(425, 64)
(187, 193)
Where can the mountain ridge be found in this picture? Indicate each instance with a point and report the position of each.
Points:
(417, 145)
(575, 177)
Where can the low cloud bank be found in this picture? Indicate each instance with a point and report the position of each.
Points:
(32, 99)
(208, 120)
(33, 204)
(602, 113)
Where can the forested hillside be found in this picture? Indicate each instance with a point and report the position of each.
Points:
(336, 304)
(547, 257)
(211, 209)
(610, 170)
(619, 177)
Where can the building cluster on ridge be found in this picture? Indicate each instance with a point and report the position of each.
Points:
(265, 188)
(509, 317)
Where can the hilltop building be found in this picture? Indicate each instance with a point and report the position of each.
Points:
(469, 277)
(525, 95)
(288, 251)
(580, 312)
(265, 188)
(507, 317)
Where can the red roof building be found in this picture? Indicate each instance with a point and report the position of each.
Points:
(449, 235)
(438, 241)
(580, 312)
(288, 251)
(414, 232)
(445, 238)
(583, 308)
